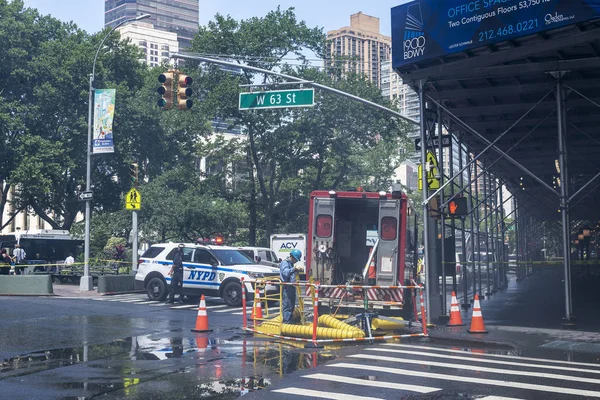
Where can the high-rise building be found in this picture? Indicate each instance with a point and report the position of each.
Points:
(362, 47)
(156, 45)
(177, 16)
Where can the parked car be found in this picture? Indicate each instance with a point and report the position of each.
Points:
(261, 255)
(210, 270)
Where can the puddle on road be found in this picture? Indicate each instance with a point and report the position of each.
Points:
(193, 365)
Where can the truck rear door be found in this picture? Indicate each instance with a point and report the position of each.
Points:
(387, 251)
(322, 232)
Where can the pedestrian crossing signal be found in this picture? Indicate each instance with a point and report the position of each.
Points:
(458, 207)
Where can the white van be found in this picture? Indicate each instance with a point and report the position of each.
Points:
(209, 270)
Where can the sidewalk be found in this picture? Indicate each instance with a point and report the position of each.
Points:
(529, 314)
(66, 290)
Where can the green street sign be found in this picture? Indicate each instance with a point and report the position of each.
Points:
(277, 99)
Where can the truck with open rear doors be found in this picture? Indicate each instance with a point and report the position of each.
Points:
(344, 227)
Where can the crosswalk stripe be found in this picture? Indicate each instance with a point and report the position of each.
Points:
(482, 360)
(377, 384)
(493, 355)
(477, 368)
(318, 394)
(225, 311)
(186, 306)
(148, 302)
(158, 305)
(130, 301)
(124, 296)
(456, 378)
(213, 307)
(497, 398)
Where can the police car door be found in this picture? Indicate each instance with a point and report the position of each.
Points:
(204, 274)
(387, 251)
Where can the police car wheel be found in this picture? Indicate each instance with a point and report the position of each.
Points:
(232, 294)
(156, 289)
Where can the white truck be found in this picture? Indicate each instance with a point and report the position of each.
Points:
(282, 244)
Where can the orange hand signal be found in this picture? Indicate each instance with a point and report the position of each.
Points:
(453, 206)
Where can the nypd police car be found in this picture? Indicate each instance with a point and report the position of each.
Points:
(209, 270)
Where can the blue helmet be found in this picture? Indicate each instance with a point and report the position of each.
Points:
(297, 254)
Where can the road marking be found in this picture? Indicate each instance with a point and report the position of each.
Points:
(129, 301)
(159, 305)
(148, 302)
(497, 398)
(220, 306)
(477, 368)
(124, 296)
(317, 394)
(481, 360)
(228, 310)
(186, 306)
(456, 378)
(377, 384)
(494, 355)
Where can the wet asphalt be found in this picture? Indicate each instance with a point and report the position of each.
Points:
(126, 347)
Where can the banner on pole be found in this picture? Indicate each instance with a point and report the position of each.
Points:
(104, 112)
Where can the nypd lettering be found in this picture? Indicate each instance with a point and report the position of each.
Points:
(202, 275)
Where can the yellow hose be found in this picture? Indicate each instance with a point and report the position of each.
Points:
(386, 325)
(331, 322)
(304, 331)
(279, 318)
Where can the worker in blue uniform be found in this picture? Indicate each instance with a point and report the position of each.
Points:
(287, 272)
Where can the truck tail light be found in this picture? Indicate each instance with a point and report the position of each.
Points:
(388, 228)
(324, 226)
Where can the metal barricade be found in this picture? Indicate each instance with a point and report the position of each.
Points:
(332, 329)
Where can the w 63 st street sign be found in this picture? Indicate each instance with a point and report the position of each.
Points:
(277, 99)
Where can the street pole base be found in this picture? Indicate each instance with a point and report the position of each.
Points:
(313, 345)
(568, 325)
(86, 284)
(465, 306)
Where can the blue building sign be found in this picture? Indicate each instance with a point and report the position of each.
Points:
(426, 29)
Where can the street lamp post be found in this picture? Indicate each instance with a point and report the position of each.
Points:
(86, 282)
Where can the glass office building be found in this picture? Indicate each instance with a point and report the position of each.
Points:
(177, 16)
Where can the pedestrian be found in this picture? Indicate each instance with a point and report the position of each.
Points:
(176, 274)
(19, 254)
(5, 262)
(69, 260)
(287, 272)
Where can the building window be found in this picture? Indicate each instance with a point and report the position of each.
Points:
(165, 47)
(165, 54)
(143, 43)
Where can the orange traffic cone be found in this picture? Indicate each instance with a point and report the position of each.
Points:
(258, 310)
(201, 342)
(202, 318)
(455, 318)
(477, 319)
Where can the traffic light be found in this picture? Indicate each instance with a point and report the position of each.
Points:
(134, 174)
(458, 207)
(184, 91)
(165, 90)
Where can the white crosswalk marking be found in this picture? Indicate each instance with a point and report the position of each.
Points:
(497, 398)
(186, 306)
(401, 368)
(476, 368)
(482, 360)
(545, 360)
(377, 384)
(213, 307)
(465, 379)
(323, 395)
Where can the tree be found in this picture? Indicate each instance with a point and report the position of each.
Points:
(291, 152)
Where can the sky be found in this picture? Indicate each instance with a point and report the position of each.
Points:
(332, 14)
